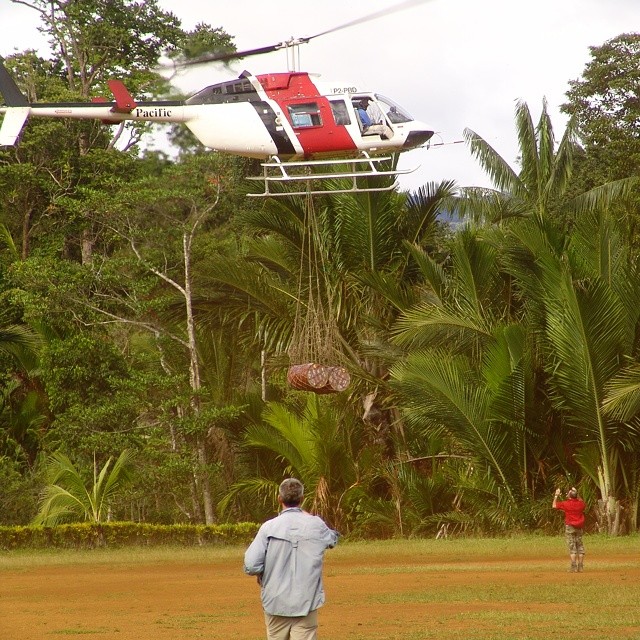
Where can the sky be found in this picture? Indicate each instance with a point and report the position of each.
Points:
(453, 64)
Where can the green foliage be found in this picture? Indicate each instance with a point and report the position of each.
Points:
(23, 405)
(205, 39)
(603, 105)
(145, 297)
(81, 370)
(316, 442)
(98, 39)
(602, 101)
(67, 496)
(123, 534)
(200, 423)
(528, 329)
(18, 492)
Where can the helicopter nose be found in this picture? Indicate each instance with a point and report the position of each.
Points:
(417, 137)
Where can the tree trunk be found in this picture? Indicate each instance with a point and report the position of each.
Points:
(87, 246)
(201, 485)
(205, 485)
(195, 501)
(194, 378)
(608, 515)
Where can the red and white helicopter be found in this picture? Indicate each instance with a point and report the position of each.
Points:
(302, 127)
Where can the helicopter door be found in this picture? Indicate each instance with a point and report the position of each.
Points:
(371, 118)
(314, 124)
(340, 113)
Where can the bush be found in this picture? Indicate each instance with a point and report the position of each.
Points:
(114, 534)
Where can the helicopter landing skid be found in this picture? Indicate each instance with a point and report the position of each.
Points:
(344, 170)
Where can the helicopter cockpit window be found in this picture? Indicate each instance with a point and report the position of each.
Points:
(305, 115)
(340, 112)
(393, 111)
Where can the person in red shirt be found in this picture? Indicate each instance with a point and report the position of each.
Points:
(573, 508)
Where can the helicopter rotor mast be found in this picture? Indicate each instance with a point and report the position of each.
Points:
(292, 48)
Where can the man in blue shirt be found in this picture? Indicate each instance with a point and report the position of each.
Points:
(365, 120)
(371, 119)
(287, 555)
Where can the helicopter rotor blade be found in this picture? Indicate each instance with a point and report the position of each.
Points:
(236, 55)
(407, 4)
(228, 55)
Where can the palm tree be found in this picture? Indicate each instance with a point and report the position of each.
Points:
(356, 249)
(572, 306)
(589, 299)
(68, 497)
(544, 173)
(541, 188)
(365, 245)
(468, 379)
(316, 442)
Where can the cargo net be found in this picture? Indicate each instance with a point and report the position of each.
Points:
(314, 354)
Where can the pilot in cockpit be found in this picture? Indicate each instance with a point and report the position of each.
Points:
(371, 119)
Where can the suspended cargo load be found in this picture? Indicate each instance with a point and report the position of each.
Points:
(308, 377)
(318, 378)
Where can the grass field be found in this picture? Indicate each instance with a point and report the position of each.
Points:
(482, 589)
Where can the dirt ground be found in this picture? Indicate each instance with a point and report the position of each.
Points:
(377, 598)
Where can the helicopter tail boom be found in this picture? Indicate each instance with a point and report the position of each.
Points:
(17, 109)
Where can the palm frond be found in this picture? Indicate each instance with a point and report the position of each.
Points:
(604, 196)
(474, 275)
(442, 393)
(57, 505)
(503, 177)
(586, 331)
(260, 490)
(622, 394)
(530, 175)
(389, 287)
(432, 271)
(6, 239)
(561, 169)
(16, 338)
(110, 481)
(366, 230)
(431, 325)
(423, 208)
(490, 206)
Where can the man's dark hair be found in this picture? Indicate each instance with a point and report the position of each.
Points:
(291, 492)
(573, 493)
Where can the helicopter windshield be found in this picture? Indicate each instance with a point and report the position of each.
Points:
(394, 112)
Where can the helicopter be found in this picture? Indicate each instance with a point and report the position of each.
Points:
(301, 127)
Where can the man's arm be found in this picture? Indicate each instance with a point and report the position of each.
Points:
(556, 495)
(327, 534)
(331, 538)
(255, 554)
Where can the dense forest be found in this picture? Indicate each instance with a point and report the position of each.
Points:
(149, 312)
